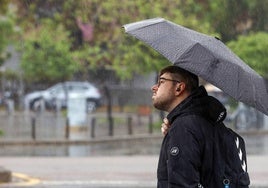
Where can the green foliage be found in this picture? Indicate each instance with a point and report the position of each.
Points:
(258, 10)
(253, 50)
(228, 17)
(6, 31)
(46, 53)
(110, 47)
(4, 6)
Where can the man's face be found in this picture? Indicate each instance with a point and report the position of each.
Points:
(164, 92)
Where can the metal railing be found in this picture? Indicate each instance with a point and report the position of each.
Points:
(48, 125)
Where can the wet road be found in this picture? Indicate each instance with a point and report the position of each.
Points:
(102, 172)
(119, 171)
(256, 144)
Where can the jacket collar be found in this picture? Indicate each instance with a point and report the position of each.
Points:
(199, 103)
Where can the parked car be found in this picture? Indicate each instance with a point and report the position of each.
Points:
(56, 96)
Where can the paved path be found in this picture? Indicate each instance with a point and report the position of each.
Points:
(102, 172)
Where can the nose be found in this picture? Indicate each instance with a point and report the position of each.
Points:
(154, 87)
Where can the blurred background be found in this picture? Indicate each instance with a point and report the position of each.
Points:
(74, 84)
(71, 61)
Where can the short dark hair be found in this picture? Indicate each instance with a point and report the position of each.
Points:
(191, 80)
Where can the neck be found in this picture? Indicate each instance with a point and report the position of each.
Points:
(178, 100)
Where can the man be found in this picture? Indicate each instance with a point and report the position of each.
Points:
(186, 154)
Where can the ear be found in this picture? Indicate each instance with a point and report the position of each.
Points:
(180, 87)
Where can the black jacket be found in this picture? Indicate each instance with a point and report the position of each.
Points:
(186, 153)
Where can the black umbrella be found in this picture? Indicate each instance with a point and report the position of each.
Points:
(204, 56)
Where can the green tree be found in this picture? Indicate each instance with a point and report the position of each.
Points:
(46, 54)
(253, 50)
(4, 6)
(228, 17)
(6, 30)
(258, 11)
(112, 49)
(233, 18)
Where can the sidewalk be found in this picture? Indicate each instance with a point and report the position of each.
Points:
(102, 172)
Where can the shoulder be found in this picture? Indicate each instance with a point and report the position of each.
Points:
(193, 123)
(191, 120)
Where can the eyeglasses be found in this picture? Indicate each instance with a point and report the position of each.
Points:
(161, 80)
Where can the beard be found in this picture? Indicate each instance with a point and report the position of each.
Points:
(160, 106)
(162, 103)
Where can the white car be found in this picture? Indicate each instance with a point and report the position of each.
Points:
(56, 96)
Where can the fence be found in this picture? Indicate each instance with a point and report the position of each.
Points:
(50, 134)
(51, 126)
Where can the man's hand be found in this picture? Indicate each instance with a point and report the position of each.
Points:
(165, 126)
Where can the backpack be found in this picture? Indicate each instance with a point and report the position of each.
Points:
(229, 160)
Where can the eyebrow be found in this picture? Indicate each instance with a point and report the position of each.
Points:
(169, 79)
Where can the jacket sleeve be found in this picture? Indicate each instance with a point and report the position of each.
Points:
(184, 155)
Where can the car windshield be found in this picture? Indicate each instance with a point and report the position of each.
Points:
(77, 87)
(56, 89)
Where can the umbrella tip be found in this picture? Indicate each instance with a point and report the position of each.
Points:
(217, 38)
(142, 23)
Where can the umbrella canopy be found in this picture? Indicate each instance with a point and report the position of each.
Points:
(204, 56)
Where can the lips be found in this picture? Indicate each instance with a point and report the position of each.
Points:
(153, 96)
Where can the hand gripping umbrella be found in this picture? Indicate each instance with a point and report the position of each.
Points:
(204, 56)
